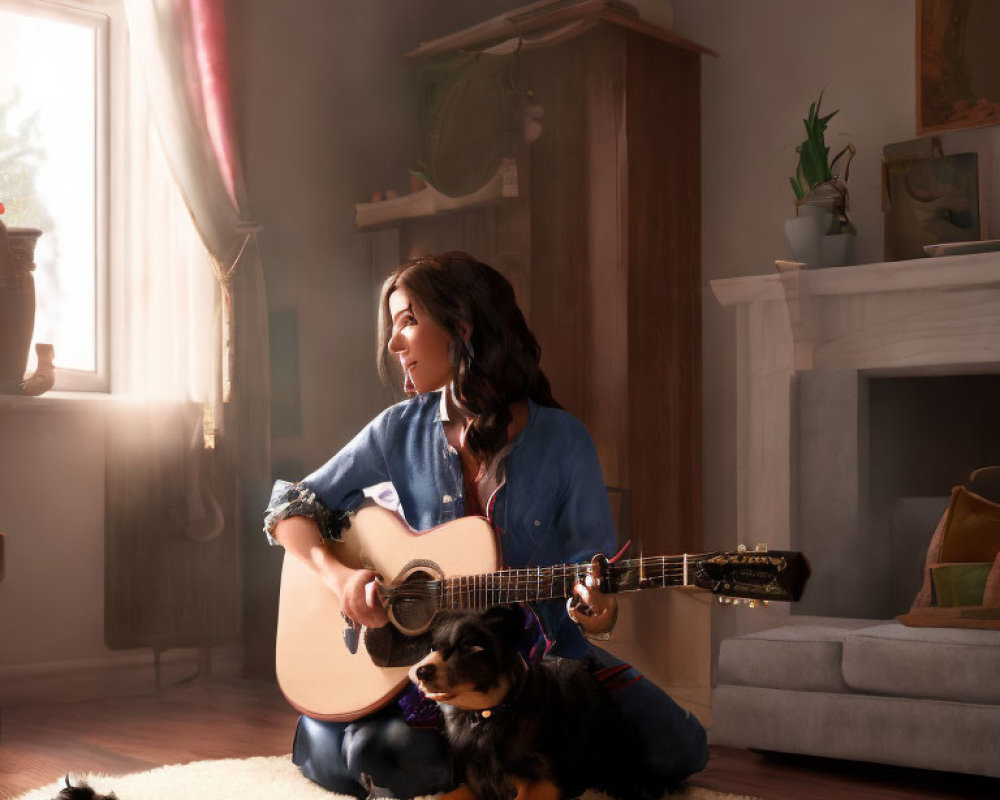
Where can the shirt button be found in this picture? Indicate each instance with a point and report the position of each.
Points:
(538, 523)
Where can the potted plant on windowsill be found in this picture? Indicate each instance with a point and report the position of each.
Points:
(820, 234)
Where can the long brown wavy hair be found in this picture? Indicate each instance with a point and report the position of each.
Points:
(500, 363)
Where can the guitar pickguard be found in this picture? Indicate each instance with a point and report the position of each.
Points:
(390, 648)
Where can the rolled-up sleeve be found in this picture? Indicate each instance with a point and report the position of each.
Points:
(298, 500)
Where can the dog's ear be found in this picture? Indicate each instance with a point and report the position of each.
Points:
(507, 622)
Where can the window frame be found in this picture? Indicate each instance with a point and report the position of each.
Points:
(107, 20)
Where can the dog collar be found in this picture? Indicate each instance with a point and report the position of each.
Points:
(478, 715)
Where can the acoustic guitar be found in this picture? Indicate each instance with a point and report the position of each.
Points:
(327, 671)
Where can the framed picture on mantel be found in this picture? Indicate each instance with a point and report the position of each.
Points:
(958, 64)
(928, 198)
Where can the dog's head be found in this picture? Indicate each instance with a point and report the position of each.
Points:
(81, 792)
(474, 658)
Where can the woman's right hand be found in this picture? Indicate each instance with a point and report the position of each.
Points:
(358, 589)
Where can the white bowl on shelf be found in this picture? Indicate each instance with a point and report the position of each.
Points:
(962, 248)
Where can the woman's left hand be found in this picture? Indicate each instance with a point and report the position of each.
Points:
(597, 612)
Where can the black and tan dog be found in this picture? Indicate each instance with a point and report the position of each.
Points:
(545, 731)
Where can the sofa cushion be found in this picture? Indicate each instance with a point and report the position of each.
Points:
(938, 663)
(800, 657)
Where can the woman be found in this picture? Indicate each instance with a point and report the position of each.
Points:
(480, 434)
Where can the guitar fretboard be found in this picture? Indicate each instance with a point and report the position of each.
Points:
(548, 583)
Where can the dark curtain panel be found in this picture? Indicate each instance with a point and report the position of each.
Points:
(172, 563)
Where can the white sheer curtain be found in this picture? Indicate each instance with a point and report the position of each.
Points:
(171, 566)
(188, 461)
(165, 321)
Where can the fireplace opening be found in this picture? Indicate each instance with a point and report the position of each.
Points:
(876, 458)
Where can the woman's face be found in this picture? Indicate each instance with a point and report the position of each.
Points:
(420, 344)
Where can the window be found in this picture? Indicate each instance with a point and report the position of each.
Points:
(54, 172)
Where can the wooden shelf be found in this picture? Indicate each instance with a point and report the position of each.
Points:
(942, 273)
(428, 202)
(539, 19)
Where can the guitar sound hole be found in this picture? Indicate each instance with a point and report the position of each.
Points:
(415, 601)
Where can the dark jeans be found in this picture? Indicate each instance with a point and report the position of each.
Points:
(378, 754)
(381, 750)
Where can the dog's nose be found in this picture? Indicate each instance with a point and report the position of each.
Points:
(426, 672)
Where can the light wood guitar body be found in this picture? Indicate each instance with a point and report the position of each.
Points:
(316, 671)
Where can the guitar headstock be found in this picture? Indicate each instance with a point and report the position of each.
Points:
(753, 575)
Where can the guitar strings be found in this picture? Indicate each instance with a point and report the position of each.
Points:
(659, 567)
(532, 574)
(516, 580)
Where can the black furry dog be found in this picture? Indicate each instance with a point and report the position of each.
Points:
(81, 792)
(544, 731)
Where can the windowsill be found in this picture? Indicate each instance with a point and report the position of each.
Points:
(53, 401)
(80, 401)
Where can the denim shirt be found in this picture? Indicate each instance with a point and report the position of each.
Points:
(550, 508)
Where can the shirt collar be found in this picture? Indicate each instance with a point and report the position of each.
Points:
(443, 406)
(444, 416)
(532, 410)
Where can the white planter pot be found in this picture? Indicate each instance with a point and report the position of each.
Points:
(805, 237)
(811, 243)
(839, 250)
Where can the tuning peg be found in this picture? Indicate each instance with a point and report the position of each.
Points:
(760, 547)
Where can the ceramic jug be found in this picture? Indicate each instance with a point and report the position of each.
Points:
(17, 304)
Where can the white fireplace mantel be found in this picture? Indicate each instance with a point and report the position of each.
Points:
(922, 317)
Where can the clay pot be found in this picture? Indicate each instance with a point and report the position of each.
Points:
(17, 303)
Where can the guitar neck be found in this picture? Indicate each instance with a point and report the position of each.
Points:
(548, 583)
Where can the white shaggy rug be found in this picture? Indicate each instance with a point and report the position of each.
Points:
(262, 778)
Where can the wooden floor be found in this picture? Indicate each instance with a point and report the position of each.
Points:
(238, 719)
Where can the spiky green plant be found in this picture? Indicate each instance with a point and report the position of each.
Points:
(814, 166)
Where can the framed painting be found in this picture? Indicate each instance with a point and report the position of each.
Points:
(958, 64)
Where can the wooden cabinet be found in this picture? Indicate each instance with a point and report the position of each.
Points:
(603, 245)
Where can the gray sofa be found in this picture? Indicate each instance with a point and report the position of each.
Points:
(883, 692)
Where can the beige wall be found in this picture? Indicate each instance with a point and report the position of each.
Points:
(52, 511)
